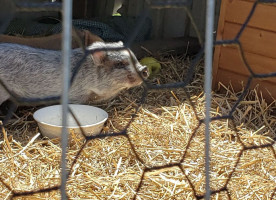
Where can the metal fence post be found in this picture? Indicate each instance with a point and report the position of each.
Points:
(66, 53)
(210, 16)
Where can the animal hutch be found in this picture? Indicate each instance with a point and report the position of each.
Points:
(169, 28)
(258, 41)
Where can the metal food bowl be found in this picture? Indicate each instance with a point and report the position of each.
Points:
(91, 119)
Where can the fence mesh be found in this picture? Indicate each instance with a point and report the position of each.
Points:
(146, 167)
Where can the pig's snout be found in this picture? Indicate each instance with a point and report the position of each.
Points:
(145, 72)
(136, 78)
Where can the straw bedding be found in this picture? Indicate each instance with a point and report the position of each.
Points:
(165, 130)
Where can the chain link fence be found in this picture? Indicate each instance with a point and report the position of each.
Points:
(207, 47)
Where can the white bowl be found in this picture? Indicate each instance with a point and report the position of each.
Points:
(91, 119)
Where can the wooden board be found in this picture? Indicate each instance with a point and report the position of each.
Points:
(135, 8)
(157, 23)
(79, 9)
(217, 52)
(258, 42)
(263, 18)
(253, 40)
(239, 81)
(259, 64)
(175, 22)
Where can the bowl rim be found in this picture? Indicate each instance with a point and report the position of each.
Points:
(71, 127)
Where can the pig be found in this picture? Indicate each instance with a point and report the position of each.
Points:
(53, 42)
(37, 73)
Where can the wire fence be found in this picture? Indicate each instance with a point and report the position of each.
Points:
(68, 81)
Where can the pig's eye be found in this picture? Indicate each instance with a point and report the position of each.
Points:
(121, 64)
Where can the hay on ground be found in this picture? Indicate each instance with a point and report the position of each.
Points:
(166, 129)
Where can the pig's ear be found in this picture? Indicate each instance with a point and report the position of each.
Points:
(90, 38)
(99, 57)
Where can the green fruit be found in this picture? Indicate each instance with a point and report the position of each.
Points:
(116, 14)
(152, 64)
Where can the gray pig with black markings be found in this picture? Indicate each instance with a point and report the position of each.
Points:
(37, 73)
